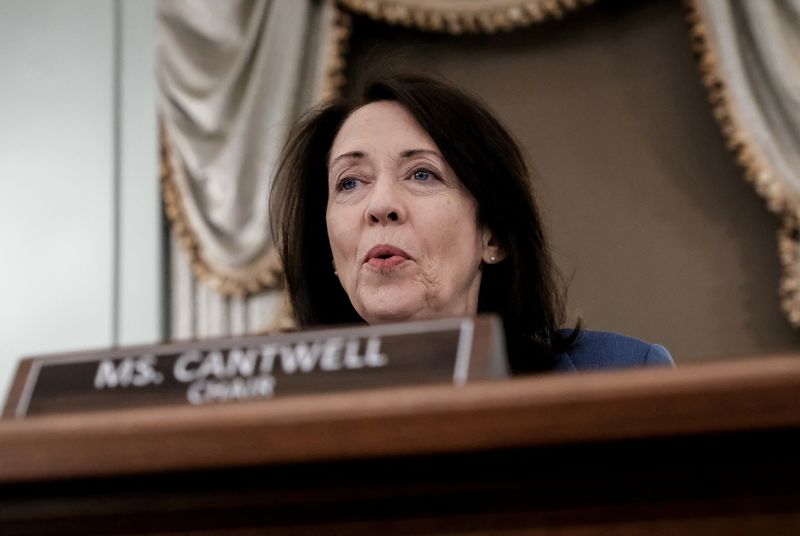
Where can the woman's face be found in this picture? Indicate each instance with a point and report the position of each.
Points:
(403, 229)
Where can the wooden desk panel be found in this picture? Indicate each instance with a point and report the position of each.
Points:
(703, 449)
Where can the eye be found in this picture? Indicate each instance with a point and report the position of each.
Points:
(422, 175)
(348, 183)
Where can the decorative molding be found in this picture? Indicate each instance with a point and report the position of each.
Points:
(789, 251)
(336, 54)
(757, 170)
(463, 16)
(263, 274)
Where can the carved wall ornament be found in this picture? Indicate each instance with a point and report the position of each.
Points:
(750, 66)
(463, 16)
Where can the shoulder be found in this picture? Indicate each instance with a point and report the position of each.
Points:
(604, 350)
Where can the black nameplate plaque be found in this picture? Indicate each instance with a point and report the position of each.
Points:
(258, 367)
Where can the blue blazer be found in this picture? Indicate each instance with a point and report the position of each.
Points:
(602, 350)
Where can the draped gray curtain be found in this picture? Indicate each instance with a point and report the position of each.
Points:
(233, 77)
(750, 58)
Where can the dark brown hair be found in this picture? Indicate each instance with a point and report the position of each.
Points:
(522, 288)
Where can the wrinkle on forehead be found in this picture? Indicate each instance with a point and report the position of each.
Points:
(388, 121)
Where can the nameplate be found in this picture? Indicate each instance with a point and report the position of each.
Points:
(453, 350)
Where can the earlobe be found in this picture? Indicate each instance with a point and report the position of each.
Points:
(493, 252)
(494, 256)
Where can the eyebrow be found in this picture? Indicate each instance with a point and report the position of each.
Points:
(408, 153)
(343, 156)
(414, 152)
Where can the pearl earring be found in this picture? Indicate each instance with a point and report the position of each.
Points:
(492, 259)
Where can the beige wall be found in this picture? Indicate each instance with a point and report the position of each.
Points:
(80, 215)
(661, 236)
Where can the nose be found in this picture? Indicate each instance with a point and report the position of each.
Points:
(385, 203)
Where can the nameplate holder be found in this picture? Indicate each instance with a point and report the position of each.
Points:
(453, 350)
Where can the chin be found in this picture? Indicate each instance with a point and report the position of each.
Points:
(389, 303)
(386, 315)
(389, 310)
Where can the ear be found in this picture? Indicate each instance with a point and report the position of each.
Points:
(492, 251)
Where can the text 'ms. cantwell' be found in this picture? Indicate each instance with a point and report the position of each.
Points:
(219, 375)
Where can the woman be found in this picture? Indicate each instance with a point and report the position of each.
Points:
(412, 201)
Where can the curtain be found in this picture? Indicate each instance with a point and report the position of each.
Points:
(233, 77)
(750, 59)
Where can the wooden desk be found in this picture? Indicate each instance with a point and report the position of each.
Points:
(704, 449)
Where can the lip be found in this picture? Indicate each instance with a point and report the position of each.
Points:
(384, 256)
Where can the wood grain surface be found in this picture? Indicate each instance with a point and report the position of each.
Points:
(705, 449)
(730, 396)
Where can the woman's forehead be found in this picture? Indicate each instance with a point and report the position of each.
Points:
(380, 127)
